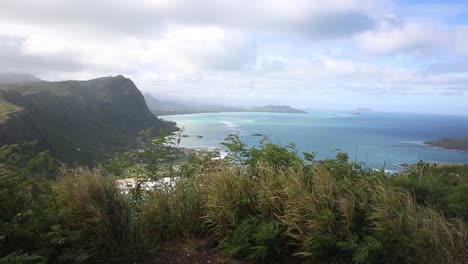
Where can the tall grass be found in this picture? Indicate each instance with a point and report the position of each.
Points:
(94, 205)
(261, 207)
(329, 217)
(172, 210)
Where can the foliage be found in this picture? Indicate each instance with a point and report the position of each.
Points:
(261, 203)
(444, 187)
(253, 240)
(25, 157)
(153, 155)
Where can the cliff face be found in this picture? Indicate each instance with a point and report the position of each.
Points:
(77, 120)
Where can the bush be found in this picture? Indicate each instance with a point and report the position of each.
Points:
(253, 240)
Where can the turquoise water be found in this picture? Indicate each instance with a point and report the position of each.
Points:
(373, 138)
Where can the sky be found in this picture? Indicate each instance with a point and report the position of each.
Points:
(390, 55)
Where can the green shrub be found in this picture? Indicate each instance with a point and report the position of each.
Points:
(18, 257)
(253, 240)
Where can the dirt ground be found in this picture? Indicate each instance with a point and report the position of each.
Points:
(194, 251)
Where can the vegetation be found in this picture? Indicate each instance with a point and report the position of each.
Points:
(261, 203)
(6, 109)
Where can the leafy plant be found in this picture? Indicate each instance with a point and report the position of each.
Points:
(254, 240)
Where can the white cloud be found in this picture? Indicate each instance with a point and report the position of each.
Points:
(207, 47)
(461, 40)
(274, 49)
(407, 37)
(111, 37)
(320, 19)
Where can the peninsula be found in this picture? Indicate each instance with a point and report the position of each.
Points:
(450, 143)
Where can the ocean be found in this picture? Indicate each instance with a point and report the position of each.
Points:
(379, 140)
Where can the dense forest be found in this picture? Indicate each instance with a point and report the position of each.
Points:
(263, 203)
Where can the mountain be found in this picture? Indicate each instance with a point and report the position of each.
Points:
(276, 109)
(18, 78)
(450, 143)
(76, 120)
(161, 107)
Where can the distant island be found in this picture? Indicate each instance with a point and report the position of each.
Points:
(162, 107)
(358, 111)
(450, 143)
(275, 109)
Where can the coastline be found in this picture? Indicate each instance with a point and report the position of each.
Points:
(433, 144)
(171, 113)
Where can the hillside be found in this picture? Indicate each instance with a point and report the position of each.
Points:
(78, 121)
(450, 143)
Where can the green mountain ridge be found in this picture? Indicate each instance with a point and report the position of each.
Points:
(79, 121)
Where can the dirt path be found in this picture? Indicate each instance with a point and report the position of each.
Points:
(194, 251)
(187, 252)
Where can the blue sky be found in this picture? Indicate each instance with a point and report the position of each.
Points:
(336, 54)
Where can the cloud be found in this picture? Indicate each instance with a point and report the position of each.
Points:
(318, 19)
(271, 50)
(461, 40)
(16, 58)
(119, 36)
(208, 47)
(406, 37)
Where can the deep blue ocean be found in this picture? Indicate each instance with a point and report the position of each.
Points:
(377, 139)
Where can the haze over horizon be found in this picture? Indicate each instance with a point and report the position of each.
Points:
(388, 55)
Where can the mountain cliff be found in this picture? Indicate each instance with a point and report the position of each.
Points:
(76, 120)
